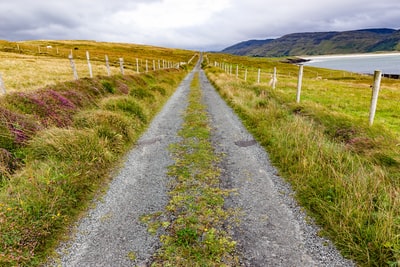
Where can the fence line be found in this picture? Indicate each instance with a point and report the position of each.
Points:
(375, 88)
(88, 58)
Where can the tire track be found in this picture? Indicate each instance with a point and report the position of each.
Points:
(272, 230)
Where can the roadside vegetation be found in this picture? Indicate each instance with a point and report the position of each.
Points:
(58, 148)
(346, 174)
(196, 236)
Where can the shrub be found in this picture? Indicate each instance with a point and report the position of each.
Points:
(114, 127)
(126, 105)
(159, 89)
(108, 86)
(141, 93)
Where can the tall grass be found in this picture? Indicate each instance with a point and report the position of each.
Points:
(58, 148)
(345, 173)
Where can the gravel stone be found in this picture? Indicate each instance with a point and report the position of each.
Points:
(272, 231)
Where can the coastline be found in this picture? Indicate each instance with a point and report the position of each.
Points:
(377, 54)
(363, 63)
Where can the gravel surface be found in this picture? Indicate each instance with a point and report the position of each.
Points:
(272, 229)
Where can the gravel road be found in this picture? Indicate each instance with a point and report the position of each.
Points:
(272, 229)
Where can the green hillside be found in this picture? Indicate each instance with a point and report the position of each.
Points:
(320, 43)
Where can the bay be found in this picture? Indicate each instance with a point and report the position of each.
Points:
(359, 63)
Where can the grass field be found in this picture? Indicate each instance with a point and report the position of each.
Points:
(30, 64)
(345, 173)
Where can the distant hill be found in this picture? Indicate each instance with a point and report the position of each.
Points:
(320, 43)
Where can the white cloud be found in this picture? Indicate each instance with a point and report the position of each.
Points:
(199, 24)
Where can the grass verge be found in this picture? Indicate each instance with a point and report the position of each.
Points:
(345, 173)
(66, 139)
(196, 235)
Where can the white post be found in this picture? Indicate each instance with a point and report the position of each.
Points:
(137, 65)
(18, 47)
(121, 65)
(159, 64)
(274, 80)
(108, 66)
(154, 64)
(2, 86)
(258, 75)
(245, 75)
(237, 71)
(147, 66)
(375, 93)
(71, 59)
(57, 50)
(89, 65)
(299, 81)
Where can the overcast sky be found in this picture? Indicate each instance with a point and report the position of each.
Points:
(190, 24)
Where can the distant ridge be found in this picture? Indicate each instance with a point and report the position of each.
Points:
(320, 43)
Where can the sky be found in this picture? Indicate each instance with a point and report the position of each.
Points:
(190, 24)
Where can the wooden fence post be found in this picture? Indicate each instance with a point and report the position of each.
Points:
(274, 79)
(154, 64)
(245, 75)
(2, 86)
(137, 65)
(299, 82)
(375, 93)
(108, 66)
(89, 65)
(258, 75)
(71, 59)
(121, 65)
(159, 64)
(237, 71)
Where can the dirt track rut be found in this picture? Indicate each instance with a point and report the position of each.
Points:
(272, 229)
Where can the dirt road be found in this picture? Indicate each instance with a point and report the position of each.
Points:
(272, 229)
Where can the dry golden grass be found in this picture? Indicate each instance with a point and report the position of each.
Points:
(29, 65)
(27, 72)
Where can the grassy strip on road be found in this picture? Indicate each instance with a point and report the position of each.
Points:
(196, 235)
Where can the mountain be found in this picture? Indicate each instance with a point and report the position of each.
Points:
(321, 43)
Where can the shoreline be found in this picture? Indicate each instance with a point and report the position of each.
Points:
(363, 63)
(310, 58)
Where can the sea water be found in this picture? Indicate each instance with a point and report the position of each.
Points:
(360, 63)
